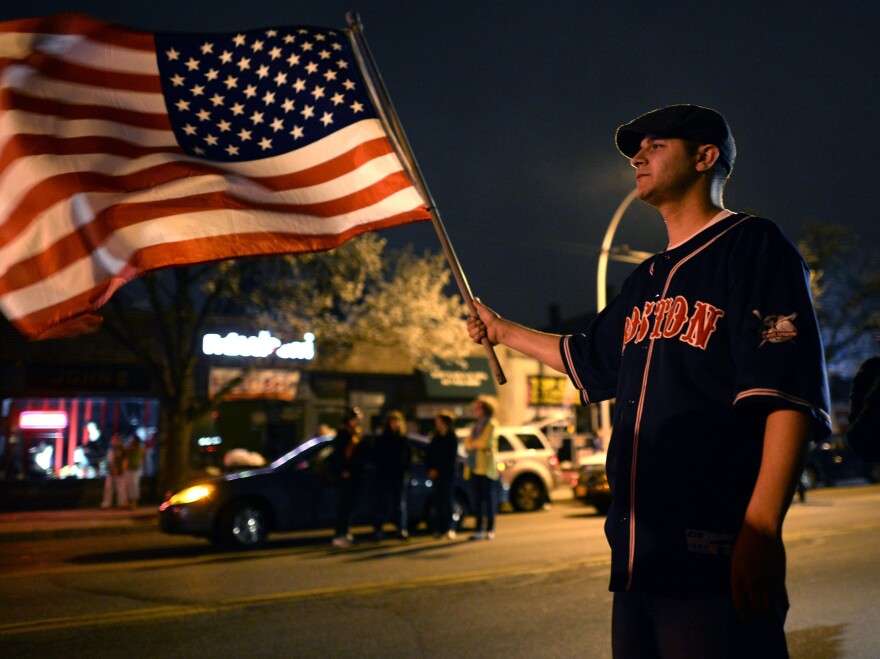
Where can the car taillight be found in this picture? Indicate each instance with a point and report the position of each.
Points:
(554, 461)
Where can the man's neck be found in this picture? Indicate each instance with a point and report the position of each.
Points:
(686, 217)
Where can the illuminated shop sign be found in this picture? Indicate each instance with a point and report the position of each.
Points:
(42, 420)
(262, 345)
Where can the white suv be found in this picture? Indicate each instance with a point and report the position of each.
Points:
(528, 465)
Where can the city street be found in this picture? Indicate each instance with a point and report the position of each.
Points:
(538, 590)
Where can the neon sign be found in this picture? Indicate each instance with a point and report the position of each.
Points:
(42, 420)
(262, 345)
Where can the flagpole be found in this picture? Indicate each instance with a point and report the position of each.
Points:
(393, 127)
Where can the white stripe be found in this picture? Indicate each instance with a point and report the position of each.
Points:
(63, 218)
(29, 81)
(19, 122)
(22, 174)
(83, 274)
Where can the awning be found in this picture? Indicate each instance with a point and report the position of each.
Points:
(454, 381)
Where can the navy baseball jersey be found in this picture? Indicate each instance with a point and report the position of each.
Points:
(702, 343)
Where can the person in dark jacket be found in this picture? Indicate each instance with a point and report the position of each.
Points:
(864, 416)
(393, 457)
(440, 461)
(347, 461)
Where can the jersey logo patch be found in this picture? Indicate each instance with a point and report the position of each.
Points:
(778, 328)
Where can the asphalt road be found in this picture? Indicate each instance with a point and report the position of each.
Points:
(538, 590)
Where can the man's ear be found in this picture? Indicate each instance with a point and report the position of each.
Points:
(707, 156)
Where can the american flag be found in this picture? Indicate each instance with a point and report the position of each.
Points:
(123, 151)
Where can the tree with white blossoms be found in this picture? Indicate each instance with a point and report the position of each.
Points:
(361, 294)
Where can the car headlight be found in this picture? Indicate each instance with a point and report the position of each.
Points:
(190, 495)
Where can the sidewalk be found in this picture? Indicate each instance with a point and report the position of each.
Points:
(48, 524)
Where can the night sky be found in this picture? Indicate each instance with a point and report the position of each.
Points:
(511, 107)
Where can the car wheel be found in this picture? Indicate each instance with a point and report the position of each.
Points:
(527, 494)
(244, 526)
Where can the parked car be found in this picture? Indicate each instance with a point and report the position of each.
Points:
(591, 483)
(527, 464)
(292, 493)
(831, 460)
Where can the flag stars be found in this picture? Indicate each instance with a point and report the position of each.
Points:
(271, 33)
(299, 85)
(231, 82)
(307, 46)
(207, 48)
(287, 105)
(318, 92)
(237, 109)
(211, 140)
(348, 84)
(203, 115)
(265, 143)
(293, 60)
(289, 38)
(239, 40)
(311, 67)
(330, 75)
(232, 150)
(324, 54)
(357, 107)
(172, 55)
(224, 126)
(275, 53)
(336, 46)
(189, 129)
(244, 135)
(212, 75)
(277, 124)
(297, 132)
(192, 64)
(178, 80)
(337, 99)
(197, 90)
(307, 112)
(342, 64)
(257, 118)
(250, 91)
(268, 98)
(263, 71)
(327, 118)
(217, 100)
(280, 78)
(225, 57)
(182, 105)
(244, 63)
(257, 45)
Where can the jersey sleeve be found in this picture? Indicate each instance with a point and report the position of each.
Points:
(775, 339)
(592, 360)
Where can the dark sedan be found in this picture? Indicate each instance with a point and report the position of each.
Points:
(831, 461)
(292, 493)
(591, 487)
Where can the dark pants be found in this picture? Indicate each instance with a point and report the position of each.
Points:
(443, 504)
(651, 627)
(348, 492)
(484, 498)
(391, 493)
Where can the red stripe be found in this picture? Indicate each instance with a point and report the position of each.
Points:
(52, 190)
(55, 68)
(12, 99)
(73, 316)
(71, 23)
(80, 243)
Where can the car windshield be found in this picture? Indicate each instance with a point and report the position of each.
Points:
(301, 451)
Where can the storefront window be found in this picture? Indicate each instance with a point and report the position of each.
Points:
(55, 438)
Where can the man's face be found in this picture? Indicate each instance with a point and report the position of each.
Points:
(665, 169)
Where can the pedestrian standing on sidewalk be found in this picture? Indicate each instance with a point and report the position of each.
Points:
(134, 460)
(114, 480)
(482, 449)
(392, 455)
(347, 461)
(441, 459)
